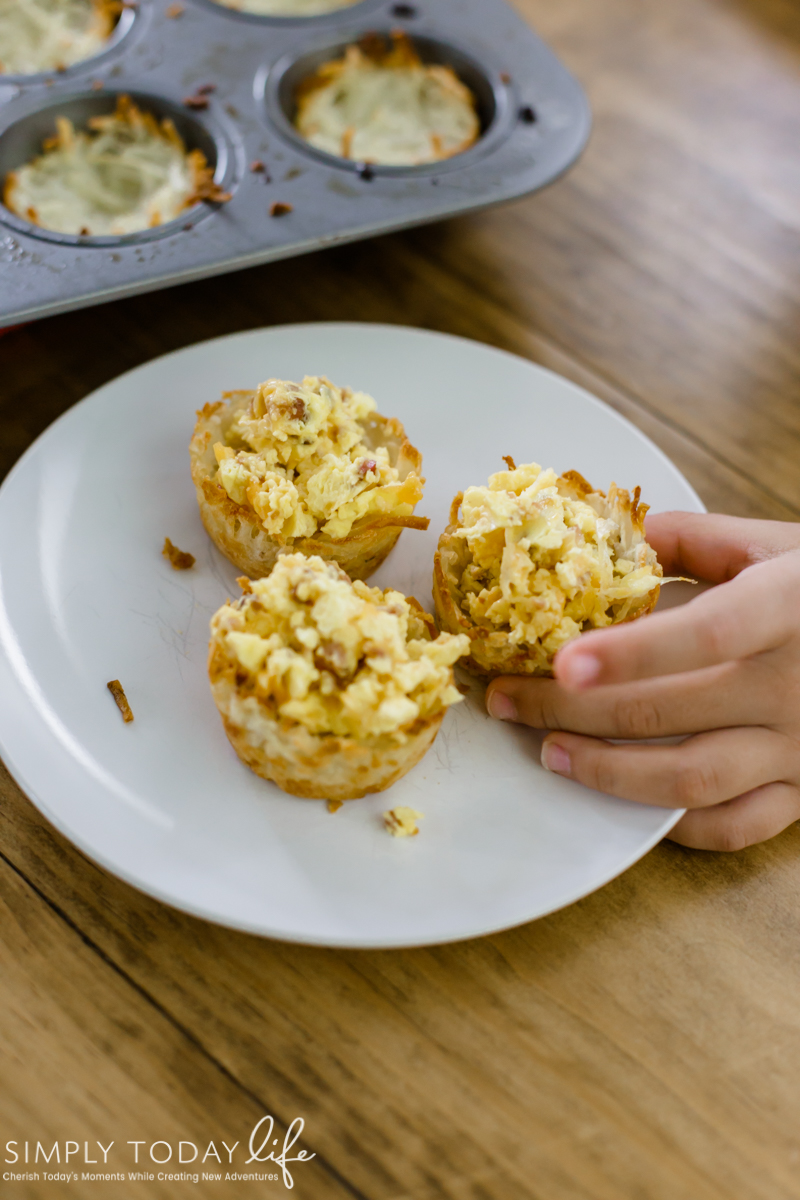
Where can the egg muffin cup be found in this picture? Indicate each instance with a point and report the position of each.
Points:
(492, 651)
(379, 103)
(273, 722)
(69, 33)
(69, 188)
(313, 766)
(236, 530)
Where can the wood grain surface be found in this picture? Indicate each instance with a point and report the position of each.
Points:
(644, 1043)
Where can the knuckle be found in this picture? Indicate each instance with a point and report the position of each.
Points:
(731, 836)
(545, 709)
(695, 785)
(601, 773)
(716, 635)
(636, 717)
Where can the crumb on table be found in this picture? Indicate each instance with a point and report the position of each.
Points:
(402, 821)
(118, 692)
(181, 559)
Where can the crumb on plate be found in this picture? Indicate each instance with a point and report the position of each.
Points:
(402, 821)
(181, 560)
(334, 805)
(279, 209)
(118, 692)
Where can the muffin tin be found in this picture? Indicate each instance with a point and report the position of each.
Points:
(534, 118)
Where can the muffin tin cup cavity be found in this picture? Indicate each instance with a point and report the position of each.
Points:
(334, 16)
(22, 142)
(279, 84)
(129, 24)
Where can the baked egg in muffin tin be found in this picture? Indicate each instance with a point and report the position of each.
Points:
(198, 136)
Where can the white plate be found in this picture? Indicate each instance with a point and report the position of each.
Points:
(85, 597)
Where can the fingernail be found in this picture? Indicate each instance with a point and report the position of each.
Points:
(580, 670)
(555, 759)
(501, 707)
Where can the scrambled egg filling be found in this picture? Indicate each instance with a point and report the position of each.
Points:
(49, 35)
(382, 105)
(402, 821)
(335, 656)
(297, 456)
(127, 172)
(548, 565)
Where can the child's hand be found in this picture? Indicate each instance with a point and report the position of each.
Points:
(724, 668)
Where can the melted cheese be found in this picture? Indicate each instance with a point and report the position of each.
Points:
(127, 172)
(297, 456)
(49, 35)
(387, 107)
(546, 565)
(335, 656)
(287, 8)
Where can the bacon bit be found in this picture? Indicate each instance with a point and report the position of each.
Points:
(174, 10)
(257, 167)
(118, 692)
(181, 560)
(206, 89)
(333, 805)
(373, 45)
(279, 209)
(196, 102)
(367, 465)
(84, 231)
(333, 656)
(508, 460)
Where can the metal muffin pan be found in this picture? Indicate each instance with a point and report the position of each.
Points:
(534, 117)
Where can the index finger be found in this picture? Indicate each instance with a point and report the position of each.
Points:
(716, 547)
(756, 611)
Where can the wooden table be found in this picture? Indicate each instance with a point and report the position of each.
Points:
(643, 1043)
